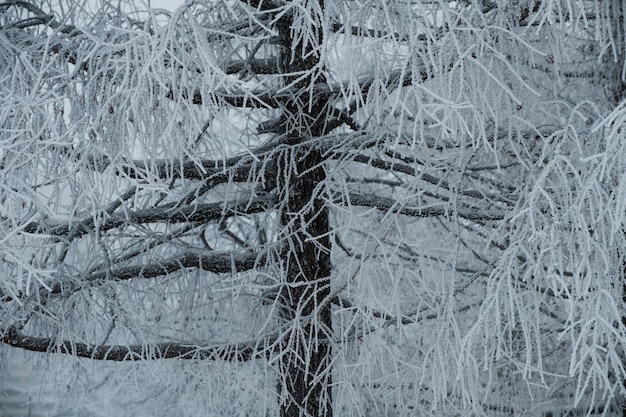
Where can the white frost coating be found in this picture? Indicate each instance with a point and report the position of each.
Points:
(475, 184)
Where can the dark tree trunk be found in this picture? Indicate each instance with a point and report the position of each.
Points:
(306, 355)
(305, 363)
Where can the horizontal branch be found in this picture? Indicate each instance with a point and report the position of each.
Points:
(212, 261)
(201, 213)
(278, 99)
(409, 170)
(216, 262)
(244, 99)
(398, 78)
(237, 352)
(255, 66)
(346, 304)
(371, 33)
(387, 204)
(216, 171)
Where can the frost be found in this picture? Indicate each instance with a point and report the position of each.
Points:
(282, 208)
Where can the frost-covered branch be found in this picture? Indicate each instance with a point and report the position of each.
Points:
(216, 262)
(410, 170)
(237, 168)
(388, 204)
(263, 5)
(254, 66)
(217, 172)
(41, 18)
(210, 261)
(169, 213)
(237, 352)
(253, 100)
(372, 33)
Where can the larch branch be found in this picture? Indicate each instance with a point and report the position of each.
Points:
(169, 214)
(388, 204)
(236, 352)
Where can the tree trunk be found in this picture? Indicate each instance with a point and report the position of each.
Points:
(306, 356)
(305, 363)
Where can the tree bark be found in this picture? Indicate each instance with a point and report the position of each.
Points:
(305, 361)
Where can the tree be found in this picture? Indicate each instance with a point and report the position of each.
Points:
(311, 208)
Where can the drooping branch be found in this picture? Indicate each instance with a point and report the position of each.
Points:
(237, 352)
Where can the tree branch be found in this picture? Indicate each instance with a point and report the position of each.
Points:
(372, 33)
(214, 170)
(398, 78)
(212, 261)
(169, 214)
(409, 170)
(217, 262)
(238, 352)
(41, 17)
(387, 204)
(262, 5)
(237, 168)
(244, 99)
(255, 66)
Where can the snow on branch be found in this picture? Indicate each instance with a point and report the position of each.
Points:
(217, 262)
(237, 168)
(41, 17)
(409, 170)
(337, 27)
(169, 214)
(262, 5)
(217, 172)
(244, 99)
(387, 204)
(213, 261)
(255, 66)
(237, 352)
